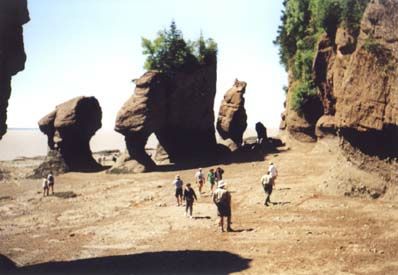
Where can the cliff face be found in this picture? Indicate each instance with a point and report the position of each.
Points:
(357, 81)
(13, 14)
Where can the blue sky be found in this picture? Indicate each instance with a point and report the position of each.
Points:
(93, 48)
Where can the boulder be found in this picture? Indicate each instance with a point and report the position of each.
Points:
(231, 122)
(178, 109)
(13, 14)
(261, 133)
(326, 125)
(69, 129)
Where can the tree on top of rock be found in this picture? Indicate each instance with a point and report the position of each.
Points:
(169, 52)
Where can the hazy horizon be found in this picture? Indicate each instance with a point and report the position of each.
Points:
(31, 142)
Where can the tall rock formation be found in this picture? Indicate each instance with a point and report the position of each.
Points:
(360, 83)
(231, 122)
(177, 109)
(357, 79)
(356, 75)
(69, 129)
(13, 14)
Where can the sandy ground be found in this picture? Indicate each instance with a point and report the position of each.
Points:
(130, 224)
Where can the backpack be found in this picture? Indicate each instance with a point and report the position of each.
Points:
(266, 180)
(220, 197)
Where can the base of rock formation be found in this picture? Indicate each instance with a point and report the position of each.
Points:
(53, 162)
(126, 165)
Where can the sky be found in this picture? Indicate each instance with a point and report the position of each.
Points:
(93, 48)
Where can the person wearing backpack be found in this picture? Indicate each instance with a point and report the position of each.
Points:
(189, 197)
(268, 184)
(51, 181)
(222, 199)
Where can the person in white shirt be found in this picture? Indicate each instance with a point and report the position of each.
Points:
(273, 172)
(200, 179)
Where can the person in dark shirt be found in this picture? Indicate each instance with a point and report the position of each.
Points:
(189, 197)
(218, 174)
(178, 184)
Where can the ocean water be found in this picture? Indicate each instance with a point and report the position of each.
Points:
(31, 142)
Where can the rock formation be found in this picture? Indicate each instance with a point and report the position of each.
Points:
(356, 74)
(357, 80)
(69, 129)
(231, 122)
(13, 14)
(178, 109)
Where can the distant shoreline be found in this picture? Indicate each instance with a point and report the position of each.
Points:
(31, 143)
(22, 129)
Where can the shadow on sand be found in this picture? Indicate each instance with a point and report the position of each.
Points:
(163, 262)
(240, 230)
(201, 217)
(280, 202)
(247, 153)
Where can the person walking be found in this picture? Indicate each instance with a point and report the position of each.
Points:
(266, 182)
(200, 179)
(189, 197)
(45, 187)
(211, 179)
(273, 172)
(51, 182)
(218, 174)
(178, 183)
(222, 199)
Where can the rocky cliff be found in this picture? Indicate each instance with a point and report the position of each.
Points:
(13, 14)
(178, 109)
(357, 81)
(356, 76)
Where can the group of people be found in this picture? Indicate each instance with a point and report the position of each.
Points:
(220, 196)
(213, 177)
(184, 193)
(102, 160)
(48, 184)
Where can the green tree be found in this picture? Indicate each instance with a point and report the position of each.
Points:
(170, 53)
(303, 21)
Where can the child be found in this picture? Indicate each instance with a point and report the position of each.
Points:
(45, 187)
(200, 179)
(50, 182)
(189, 196)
